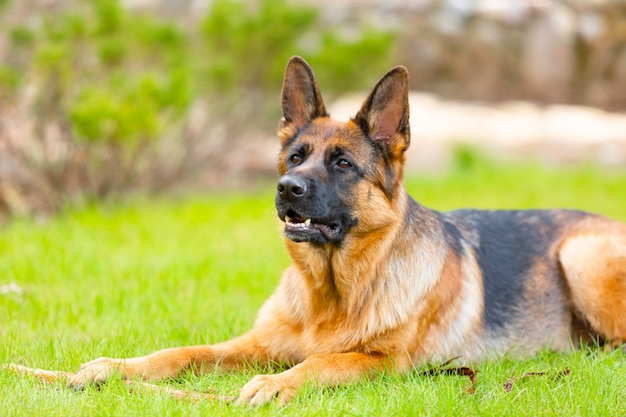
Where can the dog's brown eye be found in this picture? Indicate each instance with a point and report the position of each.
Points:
(343, 164)
(295, 158)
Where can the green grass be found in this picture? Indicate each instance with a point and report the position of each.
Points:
(127, 279)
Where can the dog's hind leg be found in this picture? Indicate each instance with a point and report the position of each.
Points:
(594, 265)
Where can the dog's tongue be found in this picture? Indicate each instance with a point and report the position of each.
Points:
(328, 231)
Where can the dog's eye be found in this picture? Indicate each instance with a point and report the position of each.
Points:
(343, 164)
(295, 158)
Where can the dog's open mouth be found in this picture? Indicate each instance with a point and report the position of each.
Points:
(299, 228)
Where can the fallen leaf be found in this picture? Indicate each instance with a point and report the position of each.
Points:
(463, 371)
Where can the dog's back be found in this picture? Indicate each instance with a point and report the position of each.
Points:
(525, 290)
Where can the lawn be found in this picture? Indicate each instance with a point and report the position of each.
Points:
(128, 278)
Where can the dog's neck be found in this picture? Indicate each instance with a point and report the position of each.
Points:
(330, 268)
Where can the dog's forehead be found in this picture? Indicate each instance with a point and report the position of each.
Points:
(327, 133)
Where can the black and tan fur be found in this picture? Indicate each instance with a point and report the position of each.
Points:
(379, 282)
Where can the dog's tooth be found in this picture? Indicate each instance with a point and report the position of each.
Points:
(287, 219)
(307, 222)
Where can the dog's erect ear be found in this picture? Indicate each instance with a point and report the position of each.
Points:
(301, 98)
(384, 116)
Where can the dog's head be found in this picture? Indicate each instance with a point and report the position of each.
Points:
(339, 178)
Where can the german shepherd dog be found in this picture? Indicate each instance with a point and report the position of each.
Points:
(381, 283)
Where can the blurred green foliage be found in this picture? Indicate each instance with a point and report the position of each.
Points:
(117, 84)
(9, 81)
(121, 76)
(249, 46)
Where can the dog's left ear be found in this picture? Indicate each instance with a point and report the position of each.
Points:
(301, 98)
(384, 116)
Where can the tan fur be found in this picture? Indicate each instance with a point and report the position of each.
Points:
(594, 262)
(394, 293)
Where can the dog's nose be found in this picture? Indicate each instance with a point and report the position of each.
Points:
(291, 188)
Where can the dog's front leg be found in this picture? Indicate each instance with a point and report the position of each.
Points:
(318, 370)
(170, 363)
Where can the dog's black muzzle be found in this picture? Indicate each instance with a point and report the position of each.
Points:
(307, 210)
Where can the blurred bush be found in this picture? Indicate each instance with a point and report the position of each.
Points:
(97, 100)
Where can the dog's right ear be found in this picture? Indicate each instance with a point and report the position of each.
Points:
(301, 99)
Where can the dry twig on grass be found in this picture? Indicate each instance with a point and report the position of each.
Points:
(51, 377)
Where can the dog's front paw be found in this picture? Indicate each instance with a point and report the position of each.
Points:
(96, 371)
(264, 388)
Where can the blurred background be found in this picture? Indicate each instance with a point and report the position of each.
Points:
(102, 98)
